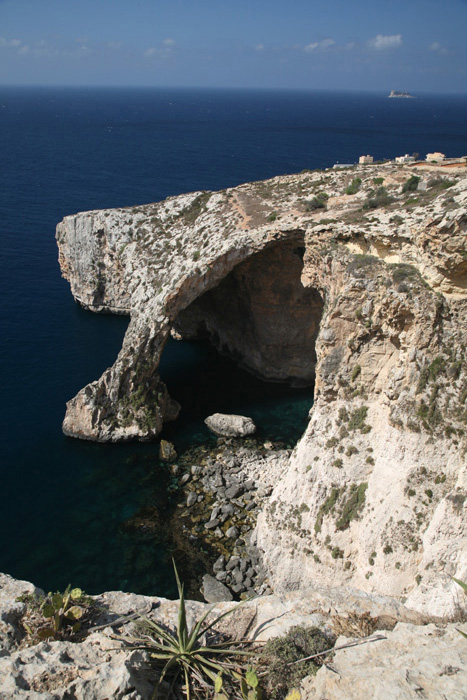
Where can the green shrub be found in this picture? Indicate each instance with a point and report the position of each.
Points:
(280, 653)
(352, 506)
(318, 202)
(436, 368)
(326, 508)
(379, 198)
(357, 418)
(360, 265)
(343, 415)
(411, 184)
(440, 184)
(354, 186)
(404, 272)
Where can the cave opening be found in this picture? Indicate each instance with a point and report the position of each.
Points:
(248, 346)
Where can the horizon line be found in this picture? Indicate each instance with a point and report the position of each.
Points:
(84, 86)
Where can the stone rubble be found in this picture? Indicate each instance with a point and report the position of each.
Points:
(223, 497)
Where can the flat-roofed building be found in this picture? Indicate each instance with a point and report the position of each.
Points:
(365, 160)
(430, 157)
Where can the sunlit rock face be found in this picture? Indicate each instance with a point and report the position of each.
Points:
(300, 281)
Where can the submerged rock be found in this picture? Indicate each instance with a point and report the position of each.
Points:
(167, 452)
(230, 425)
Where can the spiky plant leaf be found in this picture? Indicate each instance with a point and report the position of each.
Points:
(461, 584)
(218, 683)
(182, 624)
(461, 632)
(217, 619)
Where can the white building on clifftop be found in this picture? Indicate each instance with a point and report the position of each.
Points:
(405, 159)
(430, 157)
(365, 159)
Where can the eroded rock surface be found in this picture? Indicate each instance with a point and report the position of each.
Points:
(414, 655)
(368, 297)
(427, 662)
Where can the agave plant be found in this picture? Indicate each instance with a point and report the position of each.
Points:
(191, 662)
(464, 588)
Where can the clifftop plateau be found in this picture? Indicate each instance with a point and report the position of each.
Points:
(355, 280)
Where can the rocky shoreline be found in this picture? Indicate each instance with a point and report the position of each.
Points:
(224, 494)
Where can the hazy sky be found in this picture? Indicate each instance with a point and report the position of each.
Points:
(415, 45)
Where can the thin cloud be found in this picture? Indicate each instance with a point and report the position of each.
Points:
(319, 45)
(10, 43)
(438, 48)
(38, 48)
(381, 42)
(165, 49)
(259, 47)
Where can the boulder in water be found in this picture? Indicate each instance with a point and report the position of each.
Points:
(230, 425)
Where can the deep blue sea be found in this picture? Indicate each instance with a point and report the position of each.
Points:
(62, 501)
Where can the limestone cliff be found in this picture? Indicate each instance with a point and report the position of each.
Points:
(355, 278)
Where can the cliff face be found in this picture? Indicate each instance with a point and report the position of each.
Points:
(368, 294)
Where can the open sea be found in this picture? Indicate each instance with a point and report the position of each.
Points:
(63, 502)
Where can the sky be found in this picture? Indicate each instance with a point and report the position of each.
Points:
(375, 45)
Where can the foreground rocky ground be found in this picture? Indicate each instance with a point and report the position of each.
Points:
(400, 654)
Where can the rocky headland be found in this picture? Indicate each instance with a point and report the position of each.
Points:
(354, 281)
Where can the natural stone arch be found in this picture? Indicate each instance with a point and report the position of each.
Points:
(261, 315)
